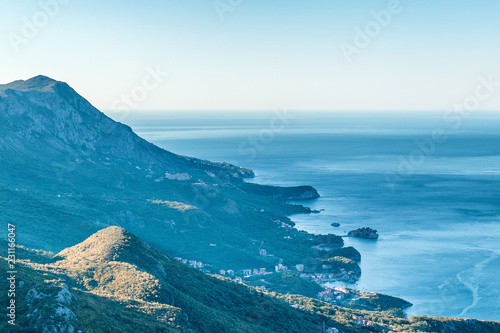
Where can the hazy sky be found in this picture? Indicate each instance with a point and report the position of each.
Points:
(258, 54)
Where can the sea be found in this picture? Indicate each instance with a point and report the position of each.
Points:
(428, 182)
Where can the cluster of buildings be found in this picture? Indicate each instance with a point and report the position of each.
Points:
(246, 272)
(341, 295)
(281, 268)
(193, 263)
(334, 295)
(255, 271)
(282, 224)
(229, 272)
(321, 278)
(360, 321)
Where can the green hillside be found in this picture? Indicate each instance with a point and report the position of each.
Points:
(114, 282)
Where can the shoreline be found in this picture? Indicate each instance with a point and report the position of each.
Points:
(438, 236)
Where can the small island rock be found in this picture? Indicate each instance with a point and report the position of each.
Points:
(368, 233)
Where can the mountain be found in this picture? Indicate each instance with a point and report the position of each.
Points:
(114, 273)
(67, 171)
(71, 175)
(114, 282)
(45, 116)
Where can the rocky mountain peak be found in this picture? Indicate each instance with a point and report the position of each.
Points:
(39, 83)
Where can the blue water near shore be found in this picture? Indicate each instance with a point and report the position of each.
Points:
(437, 211)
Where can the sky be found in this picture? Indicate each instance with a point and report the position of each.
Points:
(241, 55)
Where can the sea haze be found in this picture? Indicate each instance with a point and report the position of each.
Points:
(438, 217)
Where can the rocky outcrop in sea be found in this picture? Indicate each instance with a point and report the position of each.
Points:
(367, 233)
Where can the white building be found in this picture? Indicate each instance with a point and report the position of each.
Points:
(280, 268)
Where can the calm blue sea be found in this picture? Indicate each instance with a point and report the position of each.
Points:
(434, 200)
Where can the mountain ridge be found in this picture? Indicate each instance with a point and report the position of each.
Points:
(83, 289)
(71, 120)
(38, 83)
(70, 169)
(117, 265)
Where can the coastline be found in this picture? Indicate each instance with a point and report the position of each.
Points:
(412, 238)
